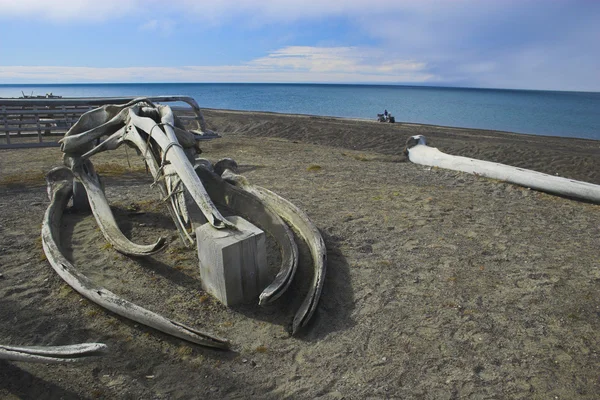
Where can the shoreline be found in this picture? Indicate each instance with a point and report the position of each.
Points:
(572, 158)
(416, 124)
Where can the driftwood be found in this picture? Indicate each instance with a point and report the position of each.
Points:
(420, 153)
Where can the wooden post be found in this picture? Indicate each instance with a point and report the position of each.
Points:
(20, 124)
(37, 121)
(68, 122)
(6, 125)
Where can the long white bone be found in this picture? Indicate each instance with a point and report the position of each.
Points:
(52, 354)
(173, 153)
(420, 153)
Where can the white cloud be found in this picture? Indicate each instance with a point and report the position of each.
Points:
(264, 10)
(162, 26)
(69, 10)
(510, 43)
(364, 61)
(290, 64)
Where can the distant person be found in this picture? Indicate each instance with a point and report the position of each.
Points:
(385, 114)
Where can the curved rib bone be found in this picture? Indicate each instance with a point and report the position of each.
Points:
(420, 153)
(84, 173)
(311, 235)
(61, 192)
(51, 354)
(257, 211)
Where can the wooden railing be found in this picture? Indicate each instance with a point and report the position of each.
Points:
(41, 122)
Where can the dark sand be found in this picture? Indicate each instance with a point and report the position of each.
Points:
(440, 284)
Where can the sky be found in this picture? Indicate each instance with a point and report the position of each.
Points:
(515, 44)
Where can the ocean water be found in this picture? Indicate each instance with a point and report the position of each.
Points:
(568, 114)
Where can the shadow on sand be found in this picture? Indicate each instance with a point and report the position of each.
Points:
(335, 305)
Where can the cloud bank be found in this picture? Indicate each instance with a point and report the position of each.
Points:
(290, 64)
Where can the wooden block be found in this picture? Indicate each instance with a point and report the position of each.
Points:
(233, 264)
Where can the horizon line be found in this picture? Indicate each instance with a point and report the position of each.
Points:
(298, 83)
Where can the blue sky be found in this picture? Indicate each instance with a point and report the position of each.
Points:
(548, 44)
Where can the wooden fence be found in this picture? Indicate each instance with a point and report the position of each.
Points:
(41, 122)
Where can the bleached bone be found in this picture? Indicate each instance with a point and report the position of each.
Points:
(108, 120)
(420, 153)
(302, 224)
(84, 173)
(258, 212)
(76, 143)
(133, 138)
(52, 354)
(173, 153)
(94, 124)
(61, 191)
(169, 151)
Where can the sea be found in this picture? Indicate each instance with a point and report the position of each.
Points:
(552, 113)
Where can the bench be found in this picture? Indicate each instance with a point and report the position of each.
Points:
(34, 122)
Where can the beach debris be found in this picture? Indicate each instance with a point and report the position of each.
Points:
(52, 354)
(190, 187)
(420, 153)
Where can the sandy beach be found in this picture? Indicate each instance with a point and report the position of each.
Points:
(440, 285)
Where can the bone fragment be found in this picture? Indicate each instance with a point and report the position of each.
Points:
(52, 354)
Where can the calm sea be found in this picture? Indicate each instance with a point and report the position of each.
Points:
(569, 114)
